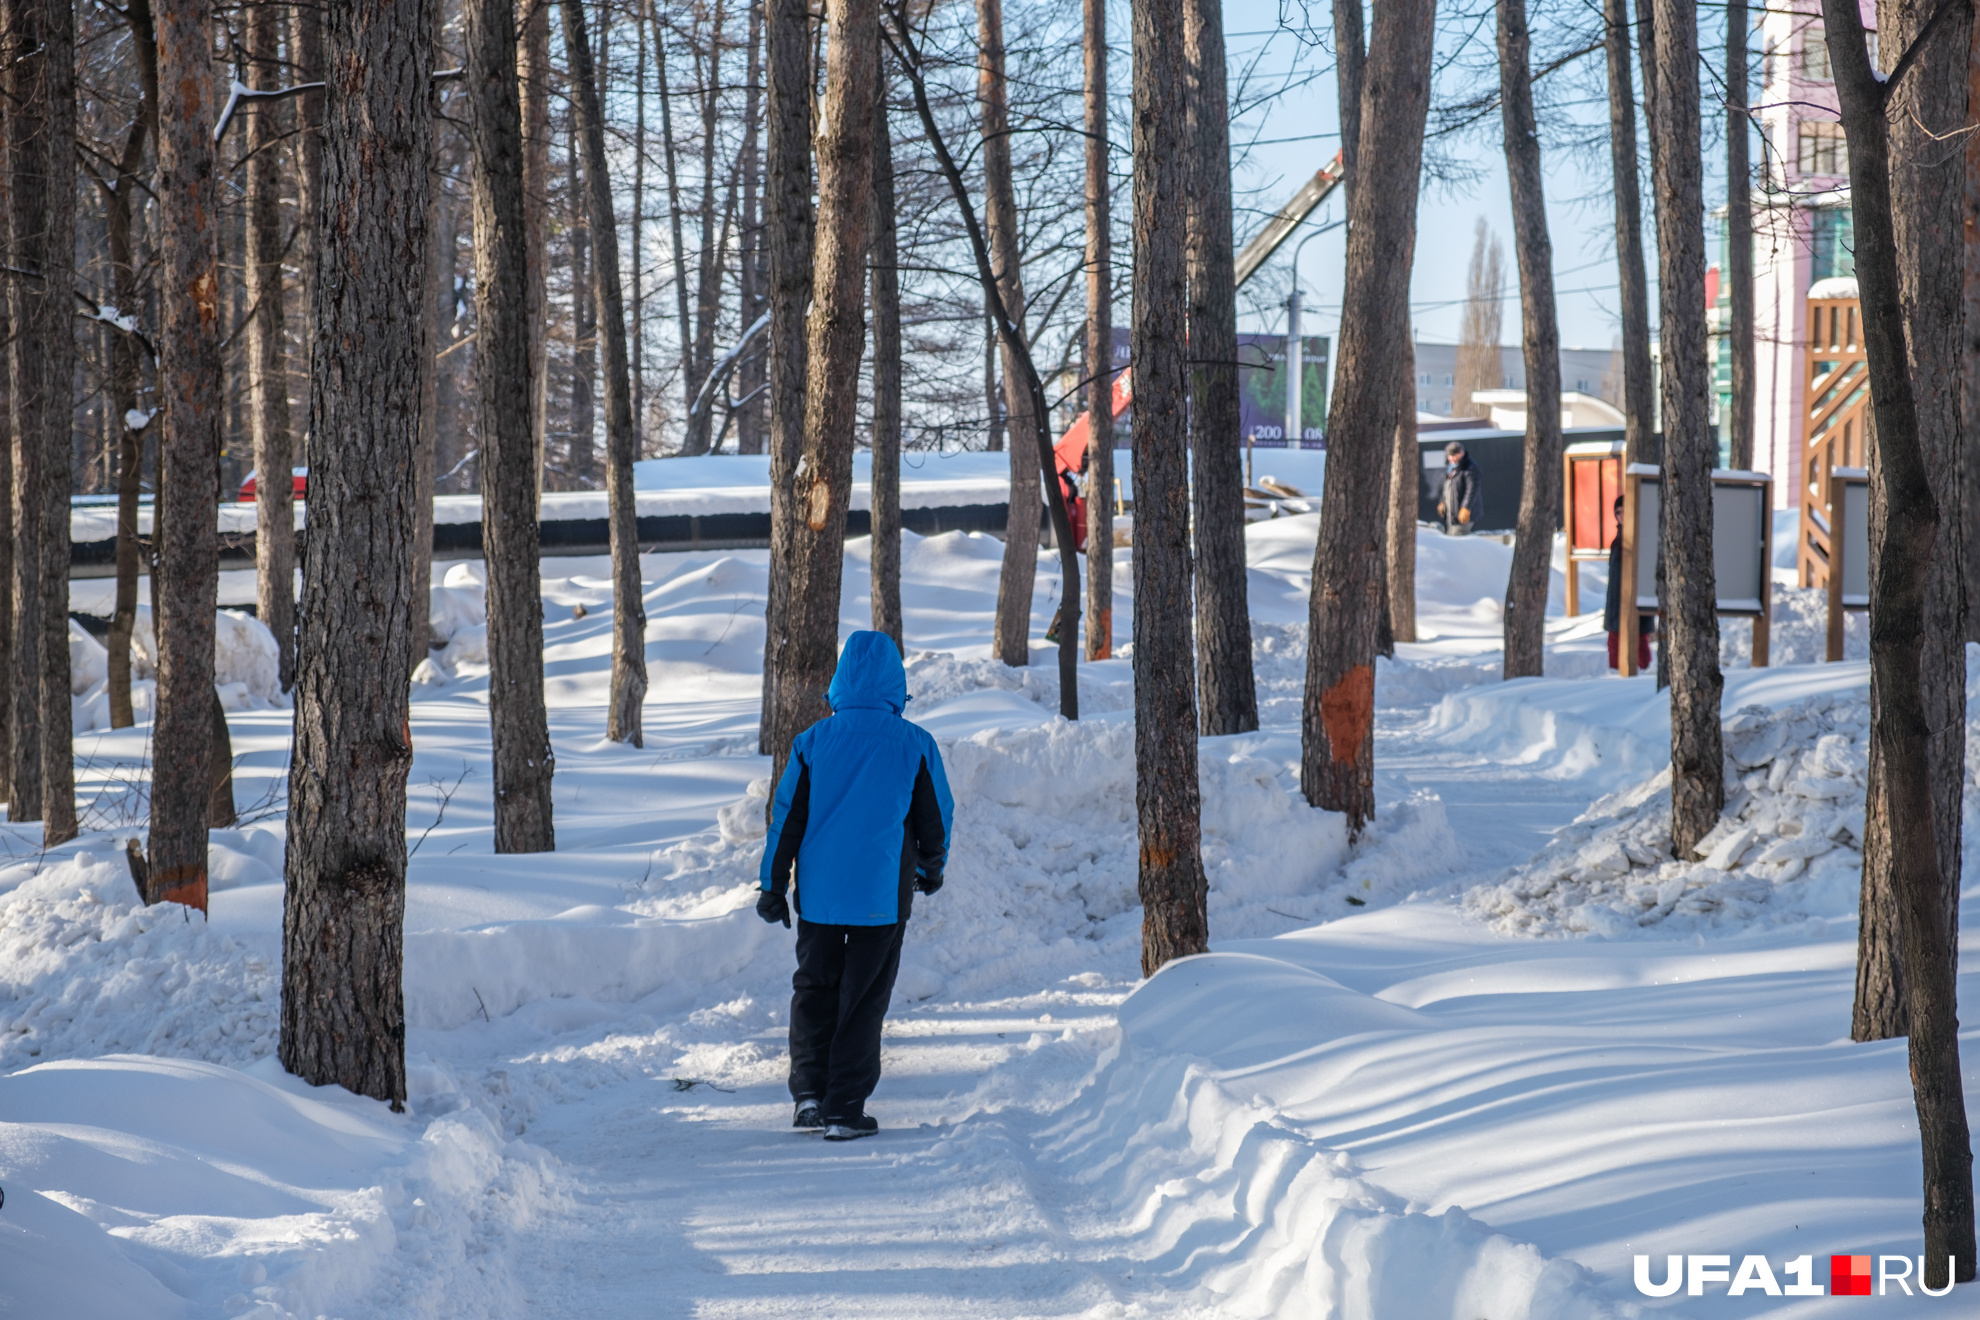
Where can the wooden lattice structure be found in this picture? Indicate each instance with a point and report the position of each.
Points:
(1835, 423)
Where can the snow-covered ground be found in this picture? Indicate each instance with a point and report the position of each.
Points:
(1468, 1066)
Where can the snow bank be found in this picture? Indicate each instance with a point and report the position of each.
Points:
(1787, 847)
(246, 668)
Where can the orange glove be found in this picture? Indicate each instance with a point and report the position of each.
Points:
(1464, 515)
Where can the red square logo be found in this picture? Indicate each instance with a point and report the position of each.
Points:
(1849, 1276)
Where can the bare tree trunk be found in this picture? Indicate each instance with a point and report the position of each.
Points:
(1927, 206)
(343, 927)
(274, 452)
(1011, 637)
(787, 220)
(438, 304)
(622, 718)
(126, 369)
(1405, 469)
(523, 762)
(1969, 505)
(1633, 299)
(306, 53)
(1540, 495)
(583, 415)
(1739, 235)
(679, 249)
(993, 407)
(1350, 70)
(534, 75)
(58, 763)
(1691, 624)
(185, 579)
(886, 484)
(28, 160)
(1898, 194)
(1337, 769)
(822, 483)
(708, 275)
(1223, 612)
(752, 371)
(1099, 369)
(1174, 892)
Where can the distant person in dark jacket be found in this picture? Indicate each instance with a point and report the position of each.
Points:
(1459, 505)
(863, 812)
(1646, 624)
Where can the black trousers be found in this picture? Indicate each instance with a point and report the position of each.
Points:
(845, 977)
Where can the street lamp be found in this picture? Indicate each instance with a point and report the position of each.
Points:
(1295, 368)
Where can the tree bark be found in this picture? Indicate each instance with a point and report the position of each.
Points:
(583, 414)
(1632, 299)
(438, 302)
(523, 761)
(1896, 196)
(1969, 505)
(126, 378)
(1927, 205)
(1337, 769)
(1174, 892)
(752, 371)
(1540, 340)
(534, 74)
(1405, 469)
(185, 578)
(1011, 638)
(622, 718)
(343, 926)
(1739, 236)
(1691, 622)
(1225, 688)
(886, 314)
(306, 53)
(700, 358)
(28, 206)
(1099, 366)
(787, 222)
(58, 290)
(268, 361)
(1350, 71)
(836, 333)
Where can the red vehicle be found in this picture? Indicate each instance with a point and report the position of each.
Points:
(247, 487)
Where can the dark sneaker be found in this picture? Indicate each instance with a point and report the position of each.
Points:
(851, 1128)
(809, 1114)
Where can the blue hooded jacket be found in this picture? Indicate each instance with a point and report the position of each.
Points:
(863, 805)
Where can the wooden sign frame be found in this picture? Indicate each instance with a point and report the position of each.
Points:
(1606, 460)
(1842, 480)
(1635, 477)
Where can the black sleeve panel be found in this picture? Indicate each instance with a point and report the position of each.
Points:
(793, 832)
(925, 820)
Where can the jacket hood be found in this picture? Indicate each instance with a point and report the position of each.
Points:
(870, 675)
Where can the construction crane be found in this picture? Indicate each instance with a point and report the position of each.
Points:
(1071, 449)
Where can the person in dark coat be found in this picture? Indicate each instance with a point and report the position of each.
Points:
(863, 813)
(1646, 624)
(1459, 504)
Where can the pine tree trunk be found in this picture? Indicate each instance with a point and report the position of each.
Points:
(534, 76)
(1011, 638)
(1691, 622)
(752, 370)
(1174, 892)
(1099, 365)
(523, 761)
(10, 683)
(438, 304)
(1351, 63)
(787, 223)
(583, 415)
(27, 217)
(1337, 770)
(622, 718)
(822, 482)
(1739, 235)
(1540, 493)
(274, 451)
(1926, 197)
(126, 371)
(1223, 611)
(306, 54)
(343, 928)
(185, 577)
(58, 763)
(1898, 197)
(1633, 298)
(886, 484)
(1969, 504)
(1405, 472)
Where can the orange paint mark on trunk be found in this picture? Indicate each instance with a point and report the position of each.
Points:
(1159, 858)
(1104, 649)
(206, 297)
(184, 884)
(1347, 709)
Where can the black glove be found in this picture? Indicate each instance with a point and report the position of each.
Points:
(773, 907)
(927, 882)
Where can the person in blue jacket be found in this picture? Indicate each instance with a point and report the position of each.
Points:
(863, 813)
